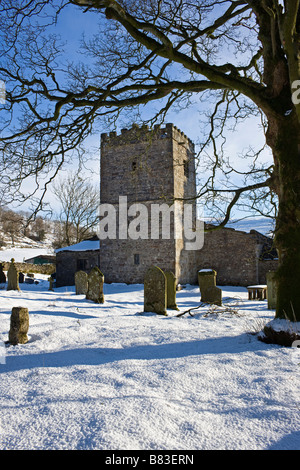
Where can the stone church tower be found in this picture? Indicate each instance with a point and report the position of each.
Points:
(149, 168)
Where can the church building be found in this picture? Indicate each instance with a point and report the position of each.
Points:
(147, 176)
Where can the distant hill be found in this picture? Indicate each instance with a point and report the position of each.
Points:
(263, 225)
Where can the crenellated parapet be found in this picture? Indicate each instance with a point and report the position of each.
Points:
(144, 133)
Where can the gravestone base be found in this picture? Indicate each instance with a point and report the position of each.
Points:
(271, 290)
(81, 283)
(19, 325)
(155, 291)
(171, 290)
(95, 286)
(210, 293)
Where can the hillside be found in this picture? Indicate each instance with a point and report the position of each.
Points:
(24, 247)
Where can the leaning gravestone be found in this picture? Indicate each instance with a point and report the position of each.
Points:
(19, 325)
(155, 291)
(271, 290)
(81, 282)
(2, 275)
(95, 286)
(171, 290)
(207, 284)
(12, 276)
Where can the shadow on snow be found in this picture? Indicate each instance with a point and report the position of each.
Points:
(98, 356)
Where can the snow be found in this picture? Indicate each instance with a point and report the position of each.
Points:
(281, 324)
(258, 286)
(20, 254)
(112, 377)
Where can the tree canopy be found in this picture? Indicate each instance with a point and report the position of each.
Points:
(145, 52)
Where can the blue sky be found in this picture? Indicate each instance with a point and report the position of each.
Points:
(72, 23)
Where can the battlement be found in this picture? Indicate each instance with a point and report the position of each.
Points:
(144, 132)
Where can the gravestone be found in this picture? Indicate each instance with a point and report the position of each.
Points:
(271, 290)
(95, 286)
(171, 290)
(29, 279)
(51, 280)
(155, 291)
(2, 275)
(21, 278)
(81, 282)
(207, 284)
(19, 325)
(12, 276)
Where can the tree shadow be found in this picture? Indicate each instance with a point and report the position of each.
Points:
(289, 442)
(99, 356)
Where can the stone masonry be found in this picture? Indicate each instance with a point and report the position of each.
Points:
(148, 167)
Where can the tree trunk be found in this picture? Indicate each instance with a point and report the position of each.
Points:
(283, 136)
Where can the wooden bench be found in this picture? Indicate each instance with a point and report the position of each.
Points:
(257, 292)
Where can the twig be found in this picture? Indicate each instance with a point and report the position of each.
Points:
(189, 310)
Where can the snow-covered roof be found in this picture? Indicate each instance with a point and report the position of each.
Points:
(85, 245)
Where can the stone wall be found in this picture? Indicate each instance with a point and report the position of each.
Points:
(32, 268)
(235, 257)
(128, 260)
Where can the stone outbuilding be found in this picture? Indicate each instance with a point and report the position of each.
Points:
(239, 258)
(82, 256)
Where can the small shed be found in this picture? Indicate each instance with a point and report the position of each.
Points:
(41, 259)
(82, 256)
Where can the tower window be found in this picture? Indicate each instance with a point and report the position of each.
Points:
(186, 168)
(136, 258)
(133, 165)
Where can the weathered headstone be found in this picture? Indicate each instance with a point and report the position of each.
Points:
(271, 290)
(81, 282)
(19, 325)
(155, 291)
(2, 275)
(207, 284)
(51, 280)
(12, 276)
(171, 290)
(95, 286)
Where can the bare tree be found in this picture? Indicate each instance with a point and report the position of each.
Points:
(12, 224)
(79, 202)
(240, 55)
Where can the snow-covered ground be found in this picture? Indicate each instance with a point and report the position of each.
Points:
(21, 254)
(112, 377)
